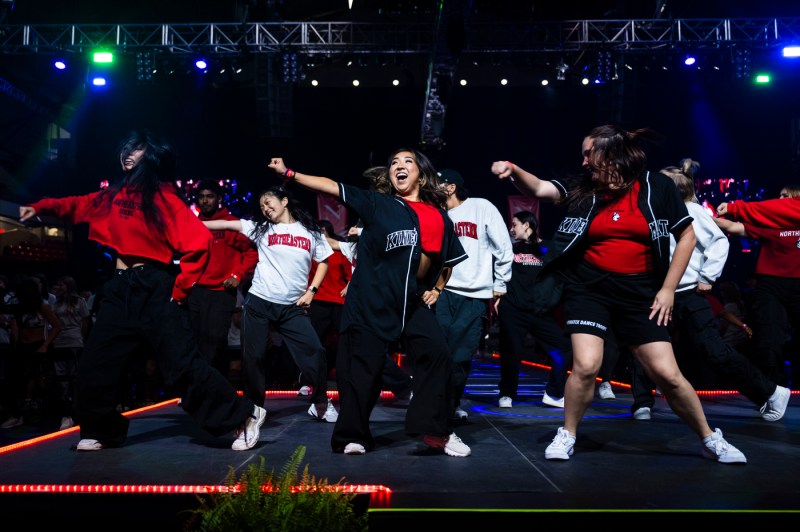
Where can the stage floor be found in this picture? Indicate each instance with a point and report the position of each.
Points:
(621, 467)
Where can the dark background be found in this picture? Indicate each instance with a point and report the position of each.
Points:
(733, 128)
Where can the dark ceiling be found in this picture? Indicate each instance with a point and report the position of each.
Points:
(228, 140)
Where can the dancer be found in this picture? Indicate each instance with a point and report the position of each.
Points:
(463, 305)
(288, 239)
(611, 257)
(142, 218)
(405, 254)
(693, 316)
(213, 298)
(776, 297)
(516, 318)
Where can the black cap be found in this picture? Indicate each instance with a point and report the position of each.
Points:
(451, 176)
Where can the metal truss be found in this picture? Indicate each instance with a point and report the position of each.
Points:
(410, 38)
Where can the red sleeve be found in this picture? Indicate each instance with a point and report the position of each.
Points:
(190, 239)
(72, 209)
(773, 213)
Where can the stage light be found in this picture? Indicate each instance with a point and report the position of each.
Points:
(201, 64)
(103, 57)
(395, 82)
(59, 64)
(689, 60)
(762, 79)
(791, 51)
(99, 81)
(561, 71)
(504, 81)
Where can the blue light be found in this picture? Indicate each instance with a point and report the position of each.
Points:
(791, 51)
(59, 64)
(689, 61)
(99, 81)
(201, 64)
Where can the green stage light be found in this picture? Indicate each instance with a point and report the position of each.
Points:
(762, 79)
(103, 57)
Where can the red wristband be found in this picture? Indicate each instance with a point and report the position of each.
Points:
(289, 174)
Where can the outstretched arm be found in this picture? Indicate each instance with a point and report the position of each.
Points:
(731, 227)
(526, 182)
(223, 225)
(318, 184)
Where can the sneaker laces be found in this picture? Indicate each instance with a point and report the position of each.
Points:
(562, 439)
(718, 444)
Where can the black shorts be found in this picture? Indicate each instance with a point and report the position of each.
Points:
(596, 301)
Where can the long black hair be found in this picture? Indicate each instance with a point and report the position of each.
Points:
(529, 218)
(157, 166)
(429, 189)
(262, 223)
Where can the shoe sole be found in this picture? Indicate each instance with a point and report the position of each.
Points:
(559, 456)
(450, 452)
(712, 456)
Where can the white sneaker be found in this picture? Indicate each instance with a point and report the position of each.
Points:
(776, 405)
(247, 436)
(642, 414)
(66, 423)
(456, 447)
(354, 448)
(716, 448)
(88, 444)
(304, 390)
(330, 415)
(451, 445)
(460, 413)
(605, 391)
(12, 422)
(562, 447)
(558, 403)
(505, 402)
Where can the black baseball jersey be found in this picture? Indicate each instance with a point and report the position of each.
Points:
(384, 284)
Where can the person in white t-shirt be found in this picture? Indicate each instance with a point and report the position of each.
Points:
(288, 239)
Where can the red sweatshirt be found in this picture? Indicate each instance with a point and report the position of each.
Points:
(232, 254)
(122, 227)
(780, 213)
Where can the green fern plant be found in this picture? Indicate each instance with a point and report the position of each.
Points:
(258, 501)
